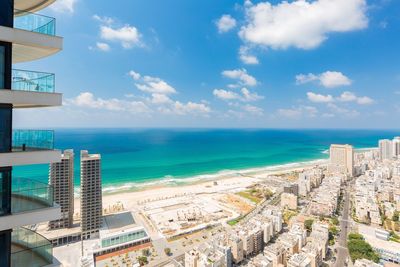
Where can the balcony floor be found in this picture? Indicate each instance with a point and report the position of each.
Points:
(27, 149)
(21, 203)
(25, 259)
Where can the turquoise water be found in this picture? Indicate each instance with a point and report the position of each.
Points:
(137, 156)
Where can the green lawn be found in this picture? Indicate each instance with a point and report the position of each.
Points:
(248, 194)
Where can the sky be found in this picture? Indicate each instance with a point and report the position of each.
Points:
(230, 64)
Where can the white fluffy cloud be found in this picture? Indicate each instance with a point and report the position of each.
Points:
(135, 75)
(225, 23)
(64, 6)
(190, 108)
(249, 96)
(328, 79)
(344, 97)
(103, 46)
(351, 97)
(160, 99)
(127, 35)
(318, 98)
(246, 57)
(103, 20)
(158, 103)
(153, 85)
(301, 24)
(88, 100)
(159, 96)
(240, 75)
(245, 95)
(225, 94)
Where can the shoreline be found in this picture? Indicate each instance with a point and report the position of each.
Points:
(171, 182)
(226, 181)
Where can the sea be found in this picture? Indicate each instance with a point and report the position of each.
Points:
(136, 158)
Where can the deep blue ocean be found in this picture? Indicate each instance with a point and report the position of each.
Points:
(138, 156)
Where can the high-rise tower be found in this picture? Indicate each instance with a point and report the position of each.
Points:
(91, 195)
(61, 177)
(341, 159)
(24, 37)
(385, 149)
(396, 147)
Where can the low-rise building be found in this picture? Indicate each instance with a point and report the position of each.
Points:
(205, 255)
(289, 201)
(275, 253)
(299, 260)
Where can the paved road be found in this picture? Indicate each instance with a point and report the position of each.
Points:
(342, 252)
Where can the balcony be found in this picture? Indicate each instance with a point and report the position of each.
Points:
(29, 248)
(31, 147)
(32, 140)
(33, 81)
(31, 203)
(32, 5)
(31, 89)
(33, 22)
(33, 36)
(29, 195)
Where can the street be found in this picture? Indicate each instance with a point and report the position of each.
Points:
(342, 252)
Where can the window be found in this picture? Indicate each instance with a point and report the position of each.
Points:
(5, 129)
(5, 191)
(2, 65)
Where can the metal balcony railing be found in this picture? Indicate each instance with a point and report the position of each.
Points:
(32, 140)
(29, 248)
(33, 81)
(34, 22)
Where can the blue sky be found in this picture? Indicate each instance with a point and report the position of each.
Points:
(294, 64)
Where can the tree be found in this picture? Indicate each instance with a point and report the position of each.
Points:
(167, 251)
(268, 193)
(360, 249)
(355, 236)
(332, 232)
(395, 217)
(142, 260)
(335, 221)
(308, 224)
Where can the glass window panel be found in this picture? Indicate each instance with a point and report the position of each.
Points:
(2, 65)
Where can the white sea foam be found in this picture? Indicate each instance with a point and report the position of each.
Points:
(326, 151)
(170, 180)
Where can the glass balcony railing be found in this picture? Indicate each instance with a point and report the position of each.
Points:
(32, 140)
(29, 248)
(34, 22)
(28, 195)
(33, 81)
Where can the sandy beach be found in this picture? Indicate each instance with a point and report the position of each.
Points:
(226, 181)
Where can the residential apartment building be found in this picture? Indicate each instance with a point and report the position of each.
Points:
(91, 195)
(341, 159)
(61, 177)
(396, 147)
(25, 36)
(206, 255)
(289, 201)
(385, 149)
